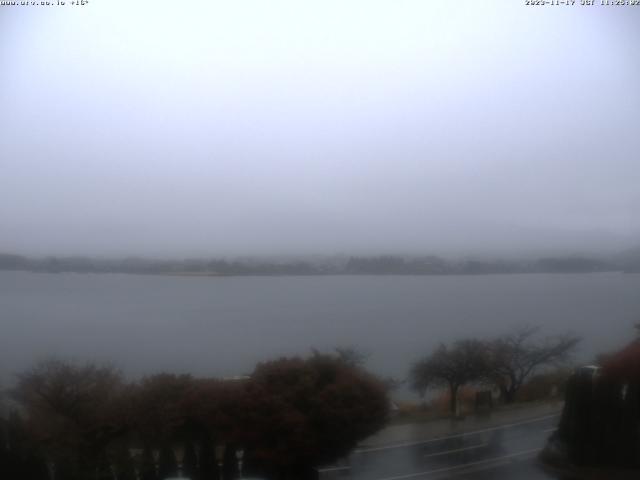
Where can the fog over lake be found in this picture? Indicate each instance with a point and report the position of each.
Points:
(490, 131)
(223, 326)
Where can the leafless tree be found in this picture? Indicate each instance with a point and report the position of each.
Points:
(516, 356)
(66, 389)
(466, 361)
(72, 410)
(352, 356)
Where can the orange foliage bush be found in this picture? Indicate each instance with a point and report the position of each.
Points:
(625, 364)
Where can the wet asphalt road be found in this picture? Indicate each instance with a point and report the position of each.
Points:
(506, 452)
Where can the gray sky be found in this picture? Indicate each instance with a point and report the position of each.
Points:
(253, 127)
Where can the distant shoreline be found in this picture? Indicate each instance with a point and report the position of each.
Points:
(383, 265)
(328, 274)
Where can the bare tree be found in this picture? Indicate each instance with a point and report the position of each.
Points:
(515, 357)
(466, 361)
(73, 410)
(68, 390)
(352, 356)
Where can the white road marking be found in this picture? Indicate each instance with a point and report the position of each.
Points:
(332, 469)
(458, 435)
(447, 452)
(464, 465)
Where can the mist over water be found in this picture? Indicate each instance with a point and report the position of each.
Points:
(222, 188)
(307, 130)
(223, 326)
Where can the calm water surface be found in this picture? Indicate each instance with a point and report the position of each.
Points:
(223, 326)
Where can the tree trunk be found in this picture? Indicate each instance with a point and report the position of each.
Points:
(508, 391)
(453, 401)
(508, 395)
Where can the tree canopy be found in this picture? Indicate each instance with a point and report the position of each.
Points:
(289, 415)
(517, 356)
(506, 362)
(465, 361)
(311, 411)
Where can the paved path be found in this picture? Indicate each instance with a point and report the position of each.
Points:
(504, 445)
(438, 428)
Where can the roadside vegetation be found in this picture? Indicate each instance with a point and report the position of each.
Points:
(505, 364)
(75, 421)
(598, 435)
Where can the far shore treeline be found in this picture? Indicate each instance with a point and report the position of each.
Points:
(344, 265)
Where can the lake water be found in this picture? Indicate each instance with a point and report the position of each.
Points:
(223, 326)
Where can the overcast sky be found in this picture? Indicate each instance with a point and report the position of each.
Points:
(320, 127)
